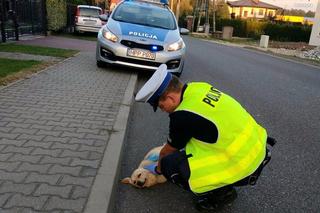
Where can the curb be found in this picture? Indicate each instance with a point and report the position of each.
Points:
(264, 51)
(283, 57)
(102, 192)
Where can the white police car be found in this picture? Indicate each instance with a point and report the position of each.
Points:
(141, 34)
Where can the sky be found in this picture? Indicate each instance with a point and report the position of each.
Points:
(294, 4)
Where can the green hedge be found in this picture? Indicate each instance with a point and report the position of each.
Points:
(276, 31)
(57, 14)
(77, 2)
(239, 26)
(288, 32)
(255, 28)
(243, 28)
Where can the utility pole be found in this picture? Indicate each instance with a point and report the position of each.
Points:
(178, 10)
(199, 14)
(194, 15)
(207, 25)
(213, 16)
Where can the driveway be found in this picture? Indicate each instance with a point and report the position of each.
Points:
(62, 42)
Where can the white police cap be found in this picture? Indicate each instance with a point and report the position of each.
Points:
(154, 87)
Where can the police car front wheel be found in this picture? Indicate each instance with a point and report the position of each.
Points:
(178, 74)
(101, 64)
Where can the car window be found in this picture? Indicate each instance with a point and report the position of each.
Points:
(143, 15)
(89, 12)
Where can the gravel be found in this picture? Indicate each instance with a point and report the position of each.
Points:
(313, 54)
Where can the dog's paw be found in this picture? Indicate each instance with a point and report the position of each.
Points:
(126, 180)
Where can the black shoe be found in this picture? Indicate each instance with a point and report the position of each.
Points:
(206, 204)
(229, 197)
(214, 201)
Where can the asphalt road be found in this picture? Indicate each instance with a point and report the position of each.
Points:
(282, 95)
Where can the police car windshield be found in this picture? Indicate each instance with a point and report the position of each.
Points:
(145, 15)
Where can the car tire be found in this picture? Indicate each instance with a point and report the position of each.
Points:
(101, 64)
(178, 74)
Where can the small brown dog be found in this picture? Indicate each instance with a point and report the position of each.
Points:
(143, 178)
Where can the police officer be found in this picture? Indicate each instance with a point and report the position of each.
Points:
(214, 144)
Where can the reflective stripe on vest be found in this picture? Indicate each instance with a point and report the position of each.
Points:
(240, 147)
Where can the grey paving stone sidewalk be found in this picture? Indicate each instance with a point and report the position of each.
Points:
(54, 128)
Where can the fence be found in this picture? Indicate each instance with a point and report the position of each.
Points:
(71, 13)
(23, 17)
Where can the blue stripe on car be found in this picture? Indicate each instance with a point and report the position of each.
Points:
(143, 31)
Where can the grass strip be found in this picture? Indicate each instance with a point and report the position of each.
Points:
(37, 50)
(12, 70)
(9, 66)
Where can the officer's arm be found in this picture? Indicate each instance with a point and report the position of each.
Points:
(167, 149)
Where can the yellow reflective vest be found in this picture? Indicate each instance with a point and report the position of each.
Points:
(239, 149)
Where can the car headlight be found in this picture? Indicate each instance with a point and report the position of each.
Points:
(109, 35)
(176, 45)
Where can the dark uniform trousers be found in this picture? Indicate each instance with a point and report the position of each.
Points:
(175, 168)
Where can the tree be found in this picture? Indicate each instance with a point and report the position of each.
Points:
(86, 2)
(77, 2)
(185, 6)
(181, 7)
(222, 10)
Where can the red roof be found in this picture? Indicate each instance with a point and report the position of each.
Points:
(252, 3)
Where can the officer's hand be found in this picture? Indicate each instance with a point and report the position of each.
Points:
(152, 168)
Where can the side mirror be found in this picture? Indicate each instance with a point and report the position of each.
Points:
(184, 31)
(104, 17)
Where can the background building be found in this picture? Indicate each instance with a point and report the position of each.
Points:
(251, 9)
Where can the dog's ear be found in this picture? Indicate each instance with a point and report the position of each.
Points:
(126, 180)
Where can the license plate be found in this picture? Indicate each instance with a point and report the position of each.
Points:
(141, 54)
(90, 22)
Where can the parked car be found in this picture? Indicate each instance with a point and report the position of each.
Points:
(87, 19)
(141, 34)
